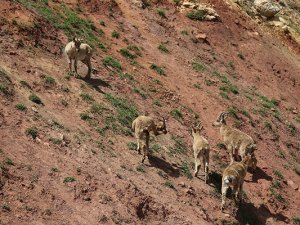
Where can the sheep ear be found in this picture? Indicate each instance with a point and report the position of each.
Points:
(74, 39)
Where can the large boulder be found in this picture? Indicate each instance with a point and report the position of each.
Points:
(266, 8)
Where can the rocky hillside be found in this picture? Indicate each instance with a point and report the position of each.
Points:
(67, 152)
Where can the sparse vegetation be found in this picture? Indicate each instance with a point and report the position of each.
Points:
(25, 84)
(196, 15)
(127, 54)
(158, 69)
(297, 170)
(111, 62)
(48, 80)
(199, 67)
(163, 48)
(86, 97)
(241, 56)
(292, 128)
(176, 114)
(34, 98)
(179, 146)
(185, 170)
(32, 131)
(157, 103)
(115, 34)
(126, 111)
(69, 179)
(140, 168)
(21, 107)
(296, 220)
(221, 146)
(84, 116)
(132, 146)
(5, 207)
(55, 141)
(8, 161)
(278, 174)
(161, 13)
(268, 125)
(169, 184)
(135, 49)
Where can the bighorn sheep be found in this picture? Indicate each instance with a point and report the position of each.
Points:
(201, 151)
(233, 177)
(142, 126)
(76, 50)
(235, 140)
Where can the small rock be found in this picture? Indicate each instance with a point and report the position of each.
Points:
(293, 185)
(182, 184)
(295, 111)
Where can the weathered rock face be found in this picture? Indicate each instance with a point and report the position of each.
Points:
(209, 14)
(266, 8)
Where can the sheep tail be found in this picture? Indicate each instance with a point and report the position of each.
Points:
(228, 179)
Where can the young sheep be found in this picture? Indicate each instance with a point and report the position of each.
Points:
(142, 126)
(234, 139)
(76, 50)
(233, 177)
(201, 151)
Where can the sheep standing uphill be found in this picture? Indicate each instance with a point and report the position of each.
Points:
(201, 151)
(76, 50)
(235, 140)
(233, 177)
(142, 126)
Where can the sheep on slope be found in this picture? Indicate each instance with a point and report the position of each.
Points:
(76, 50)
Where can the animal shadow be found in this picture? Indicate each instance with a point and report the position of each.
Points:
(163, 165)
(247, 213)
(260, 174)
(96, 83)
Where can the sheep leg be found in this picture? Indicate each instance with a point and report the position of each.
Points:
(224, 192)
(197, 166)
(138, 145)
(240, 192)
(75, 67)
(230, 149)
(145, 146)
(206, 163)
(87, 62)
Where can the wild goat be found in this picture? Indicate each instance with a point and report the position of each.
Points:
(235, 140)
(233, 177)
(76, 50)
(201, 151)
(142, 126)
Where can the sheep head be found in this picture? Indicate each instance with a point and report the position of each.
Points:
(196, 128)
(77, 41)
(221, 119)
(161, 126)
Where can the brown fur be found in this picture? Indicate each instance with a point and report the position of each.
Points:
(142, 126)
(236, 141)
(233, 177)
(201, 152)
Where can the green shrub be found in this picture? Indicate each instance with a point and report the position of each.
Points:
(163, 48)
(169, 184)
(111, 62)
(196, 15)
(126, 111)
(185, 170)
(198, 66)
(127, 54)
(162, 13)
(132, 146)
(140, 168)
(115, 34)
(32, 131)
(86, 97)
(21, 107)
(49, 80)
(69, 179)
(85, 116)
(34, 98)
(158, 69)
(176, 114)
